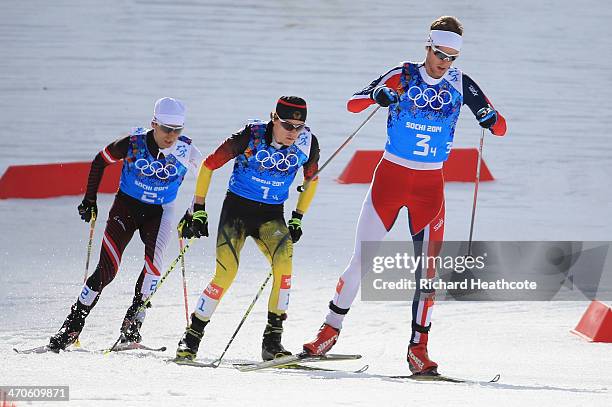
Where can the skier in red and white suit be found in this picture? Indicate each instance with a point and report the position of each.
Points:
(424, 100)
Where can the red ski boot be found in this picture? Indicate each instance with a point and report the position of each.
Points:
(419, 362)
(326, 338)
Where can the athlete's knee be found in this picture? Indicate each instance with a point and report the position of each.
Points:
(225, 274)
(424, 294)
(101, 277)
(282, 263)
(352, 273)
(94, 282)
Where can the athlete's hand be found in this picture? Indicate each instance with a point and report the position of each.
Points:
(295, 226)
(487, 117)
(184, 226)
(384, 96)
(194, 225)
(87, 210)
(199, 224)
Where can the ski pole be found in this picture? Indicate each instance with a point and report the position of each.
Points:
(181, 247)
(215, 364)
(148, 300)
(92, 225)
(476, 183)
(303, 187)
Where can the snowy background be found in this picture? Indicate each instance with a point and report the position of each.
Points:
(76, 75)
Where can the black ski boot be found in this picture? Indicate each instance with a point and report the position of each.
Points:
(271, 346)
(130, 328)
(72, 327)
(190, 342)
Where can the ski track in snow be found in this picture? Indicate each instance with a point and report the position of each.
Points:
(77, 75)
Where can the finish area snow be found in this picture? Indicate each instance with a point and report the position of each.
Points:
(77, 75)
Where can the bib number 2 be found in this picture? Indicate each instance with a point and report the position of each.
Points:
(148, 197)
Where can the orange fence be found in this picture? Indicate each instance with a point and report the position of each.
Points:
(460, 167)
(51, 180)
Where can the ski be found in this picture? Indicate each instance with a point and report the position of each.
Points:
(443, 378)
(188, 362)
(38, 349)
(323, 369)
(119, 348)
(292, 360)
(307, 368)
(136, 346)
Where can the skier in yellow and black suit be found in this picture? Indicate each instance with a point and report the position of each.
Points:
(267, 159)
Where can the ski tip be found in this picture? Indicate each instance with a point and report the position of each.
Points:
(363, 369)
(189, 362)
(340, 356)
(39, 349)
(495, 379)
(245, 368)
(163, 349)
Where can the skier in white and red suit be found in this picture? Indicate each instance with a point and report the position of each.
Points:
(424, 100)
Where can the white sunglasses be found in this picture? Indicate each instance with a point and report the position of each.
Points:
(443, 55)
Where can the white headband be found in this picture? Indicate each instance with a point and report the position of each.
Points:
(446, 39)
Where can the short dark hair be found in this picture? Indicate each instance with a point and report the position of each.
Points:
(447, 23)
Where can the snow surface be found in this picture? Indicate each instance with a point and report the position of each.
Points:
(75, 75)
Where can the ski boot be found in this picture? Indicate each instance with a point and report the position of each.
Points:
(72, 327)
(132, 322)
(325, 340)
(190, 342)
(271, 346)
(417, 357)
(419, 362)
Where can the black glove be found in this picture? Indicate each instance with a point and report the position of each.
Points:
(384, 96)
(87, 209)
(194, 225)
(487, 117)
(199, 224)
(295, 226)
(184, 226)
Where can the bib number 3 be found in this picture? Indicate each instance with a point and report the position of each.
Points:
(424, 148)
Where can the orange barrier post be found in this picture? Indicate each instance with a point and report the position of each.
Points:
(52, 180)
(460, 167)
(596, 323)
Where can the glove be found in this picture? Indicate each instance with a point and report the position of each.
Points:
(184, 226)
(384, 96)
(295, 226)
(199, 225)
(487, 117)
(194, 225)
(87, 209)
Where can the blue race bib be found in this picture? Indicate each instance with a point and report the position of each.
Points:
(263, 173)
(421, 126)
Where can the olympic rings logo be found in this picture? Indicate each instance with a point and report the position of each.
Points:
(156, 168)
(423, 97)
(276, 160)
